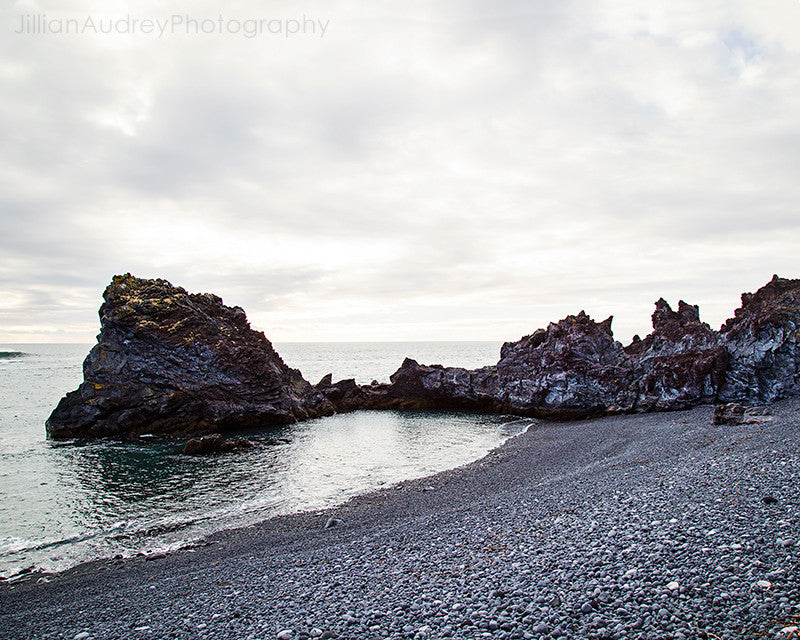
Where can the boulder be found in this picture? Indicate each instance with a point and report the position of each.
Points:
(173, 363)
(416, 386)
(214, 443)
(734, 413)
(344, 395)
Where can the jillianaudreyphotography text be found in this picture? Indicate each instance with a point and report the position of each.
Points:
(40, 24)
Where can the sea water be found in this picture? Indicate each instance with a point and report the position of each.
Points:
(65, 503)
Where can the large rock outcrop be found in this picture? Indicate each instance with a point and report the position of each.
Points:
(762, 344)
(183, 364)
(574, 368)
(174, 363)
(680, 364)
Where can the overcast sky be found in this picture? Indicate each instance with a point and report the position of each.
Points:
(453, 170)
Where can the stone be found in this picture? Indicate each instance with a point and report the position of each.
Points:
(344, 395)
(734, 413)
(572, 369)
(731, 413)
(173, 363)
(214, 443)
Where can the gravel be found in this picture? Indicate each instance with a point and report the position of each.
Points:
(636, 526)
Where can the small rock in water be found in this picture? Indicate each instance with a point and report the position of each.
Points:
(82, 635)
(332, 522)
(769, 499)
(764, 584)
(286, 634)
(586, 608)
(315, 632)
(673, 586)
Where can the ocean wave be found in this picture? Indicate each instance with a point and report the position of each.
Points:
(9, 355)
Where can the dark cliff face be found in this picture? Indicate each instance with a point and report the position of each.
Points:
(680, 364)
(176, 363)
(762, 343)
(171, 362)
(574, 368)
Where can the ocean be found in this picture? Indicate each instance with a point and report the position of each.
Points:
(65, 503)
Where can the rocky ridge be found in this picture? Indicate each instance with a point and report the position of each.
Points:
(175, 363)
(575, 368)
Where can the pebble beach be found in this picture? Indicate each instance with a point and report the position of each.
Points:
(634, 526)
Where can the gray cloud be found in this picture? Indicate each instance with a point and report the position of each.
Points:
(455, 170)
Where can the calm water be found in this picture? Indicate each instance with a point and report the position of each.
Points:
(61, 504)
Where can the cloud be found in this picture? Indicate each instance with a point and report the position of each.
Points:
(467, 170)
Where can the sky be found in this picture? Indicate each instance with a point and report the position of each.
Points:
(373, 171)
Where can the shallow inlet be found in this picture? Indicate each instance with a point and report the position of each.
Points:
(61, 503)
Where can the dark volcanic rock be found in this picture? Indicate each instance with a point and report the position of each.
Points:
(575, 368)
(344, 395)
(175, 363)
(681, 363)
(214, 443)
(416, 386)
(762, 343)
(734, 413)
(572, 369)
(730, 414)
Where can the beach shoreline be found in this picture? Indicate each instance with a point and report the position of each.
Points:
(537, 539)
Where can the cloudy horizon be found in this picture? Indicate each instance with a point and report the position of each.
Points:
(448, 171)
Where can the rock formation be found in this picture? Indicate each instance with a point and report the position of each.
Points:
(214, 443)
(183, 364)
(174, 363)
(680, 364)
(762, 344)
(574, 368)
